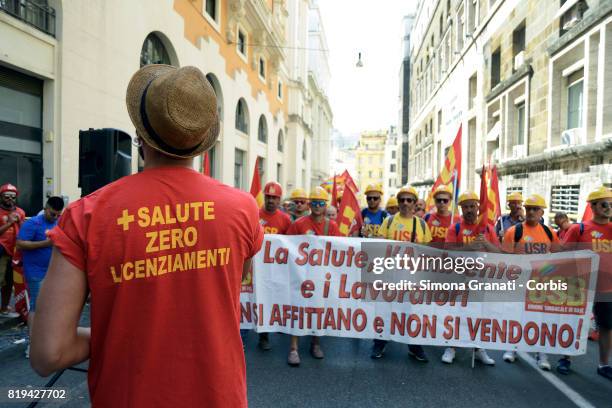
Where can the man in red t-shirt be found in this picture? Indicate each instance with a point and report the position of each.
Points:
(11, 218)
(441, 219)
(162, 253)
(596, 235)
(314, 224)
(469, 235)
(274, 221)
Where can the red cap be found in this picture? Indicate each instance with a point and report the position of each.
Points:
(8, 188)
(273, 189)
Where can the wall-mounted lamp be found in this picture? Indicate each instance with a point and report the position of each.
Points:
(359, 62)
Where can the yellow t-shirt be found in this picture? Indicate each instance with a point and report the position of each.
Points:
(401, 229)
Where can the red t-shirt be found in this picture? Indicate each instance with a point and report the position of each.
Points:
(163, 251)
(469, 232)
(598, 238)
(438, 225)
(9, 237)
(274, 223)
(305, 226)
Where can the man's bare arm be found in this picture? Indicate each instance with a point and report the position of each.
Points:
(29, 245)
(56, 341)
(246, 267)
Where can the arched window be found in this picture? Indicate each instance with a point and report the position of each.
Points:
(153, 51)
(214, 82)
(262, 130)
(242, 116)
(280, 142)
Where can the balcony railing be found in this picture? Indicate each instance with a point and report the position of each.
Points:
(31, 12)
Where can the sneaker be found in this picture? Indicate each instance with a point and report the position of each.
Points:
(449, 355)
(563, 366)
(27, 352)
(543, 363)
(264, 342)
(605, 371)
(483, 357)
(293, 359)
(316, 352)
(378, 349)
(417, 353)
(509, 356)
(9, 314)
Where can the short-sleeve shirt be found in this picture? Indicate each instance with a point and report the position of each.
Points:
(598, 238)
(274, 223)
(469, 232)
(8, 238)
(306, 226)
(534, 240)
(36, 261)
(506, 221)
(372, 221)
(439, 224)
(399, 228)
(163, 251)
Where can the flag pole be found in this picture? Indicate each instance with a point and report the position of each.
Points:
(455, 194)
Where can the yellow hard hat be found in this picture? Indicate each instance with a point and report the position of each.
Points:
(407, 190)
(443, 189)
(299, 193)
(515, 197)
(599, 194)
(392, 202)
(535, 200)
(318, 193)
(374, 188)
(468, 196)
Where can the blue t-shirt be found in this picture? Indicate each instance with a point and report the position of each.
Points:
(372, 221)
(36, 261)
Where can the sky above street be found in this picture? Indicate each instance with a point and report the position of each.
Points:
(364, 98)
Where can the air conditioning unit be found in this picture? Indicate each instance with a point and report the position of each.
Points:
(519, 151)
(571, 137)
(519, 60)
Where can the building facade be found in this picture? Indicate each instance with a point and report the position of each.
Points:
(370, 159)
(404, 98)
(528, 81)
(65, 66)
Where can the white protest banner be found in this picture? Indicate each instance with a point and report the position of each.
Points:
(310, 285)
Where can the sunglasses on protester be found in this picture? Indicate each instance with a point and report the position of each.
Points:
(604, 204)
(10, 195)
(442, 200)
(299, 202)
(406, 200)
(371, 198)
(317, 204)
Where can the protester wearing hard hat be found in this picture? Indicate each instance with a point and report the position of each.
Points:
(273, 221)
(314, 224)
(11, 218)
(392, 206)
(596, 235)
(439, 220)
(468, 235)
(531, 237)
(404, 226)
(514, 201)
(372, 215)
(300, 199)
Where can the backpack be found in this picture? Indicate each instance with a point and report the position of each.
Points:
(518, 232)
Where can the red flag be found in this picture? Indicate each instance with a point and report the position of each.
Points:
(22, 302)
(334, 193)
(348, 181)
(256, 186)
(483, 210)
(588, 213)
(452, 167)
(494, 191)
(206, 165)
(349, 214)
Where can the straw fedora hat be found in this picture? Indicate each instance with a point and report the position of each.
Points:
(174, 109)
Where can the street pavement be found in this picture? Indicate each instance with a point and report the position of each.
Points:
(348, 377)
